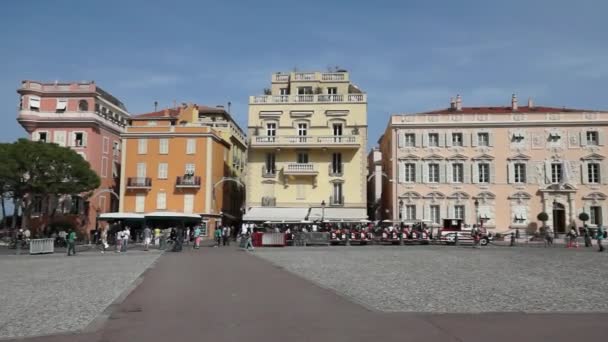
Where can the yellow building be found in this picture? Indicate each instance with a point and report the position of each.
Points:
(307, 149)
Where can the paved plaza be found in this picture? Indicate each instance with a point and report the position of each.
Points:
(47, 294)
(441, 279)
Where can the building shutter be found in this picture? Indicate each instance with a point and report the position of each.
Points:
(601, 137)
(491, 139)
(492, 172)
(34, 102)
(400, 139)
(419, 172)
(603, 173)
(425, 139)
(188, 203)
(547, 171)
(401, 172)
(418, 139)
(442, 168)
(448, 139)
(583, 138)
(425, 172)
(441, 138)
(465, 139)
(510, 173)
(84, 139)
(59, 138)
(141, 170)
(584, 172)
(140, 201)
(466, 174)
(474, 173)
(449, 174)
(474, 139)
(531, 172)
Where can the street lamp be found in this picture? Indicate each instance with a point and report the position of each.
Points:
(555, 207)
(400, 210)
(322, 210)
(476, 203)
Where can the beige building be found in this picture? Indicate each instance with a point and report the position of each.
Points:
(499, 165)
(307, 149)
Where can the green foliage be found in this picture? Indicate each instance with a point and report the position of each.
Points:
(544, 217)
(583, 217)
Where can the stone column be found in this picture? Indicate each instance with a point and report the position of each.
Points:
(571, 213)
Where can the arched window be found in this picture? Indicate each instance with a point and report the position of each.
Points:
(83, 105)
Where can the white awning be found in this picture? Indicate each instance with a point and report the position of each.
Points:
(120, 216)
(171, 214)
(62, 104)
(34, 102)
(276, 214)
(338, 214)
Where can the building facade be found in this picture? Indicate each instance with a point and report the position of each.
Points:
(308, 137)
(172, 166)
(498, 165)
(87, 119)
(374, 184)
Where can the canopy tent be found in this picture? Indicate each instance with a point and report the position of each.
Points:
(338, 214)
(172, 215)
(120, 216)
(285, 215)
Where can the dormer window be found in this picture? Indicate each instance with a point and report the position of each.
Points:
(554, 137)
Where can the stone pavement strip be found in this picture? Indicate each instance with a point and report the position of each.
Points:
(223, 294)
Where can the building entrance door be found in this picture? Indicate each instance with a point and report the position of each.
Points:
(559, 218)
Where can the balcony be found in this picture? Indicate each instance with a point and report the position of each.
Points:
(336, 170)
(309, 98)
(139, 183)
(269, 173)
(188, 182)
(310, 76)
(336, 201)
(295, 141)
(268, 201)
(300, 169)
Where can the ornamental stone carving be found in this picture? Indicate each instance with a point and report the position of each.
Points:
(538, 141)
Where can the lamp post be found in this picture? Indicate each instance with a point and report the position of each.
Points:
(323, 211)
(553, 215)
(476, 203)
(400, 221)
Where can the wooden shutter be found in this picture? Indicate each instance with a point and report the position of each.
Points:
(441, 138)
(400, 139)
(548, 171)
(466, 174)
(474, 139)
(419, 172)
(601, 137)
(441, 166)
(492, 172)
(603, 173)
(474, 173)
(425, 172)
(401, 172)
(425, 139)
(448, 139)
(583, 138)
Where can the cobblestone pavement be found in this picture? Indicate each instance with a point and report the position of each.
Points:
(441, 279)
(46, 294)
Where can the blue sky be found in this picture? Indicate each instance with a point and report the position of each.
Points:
(407, 55)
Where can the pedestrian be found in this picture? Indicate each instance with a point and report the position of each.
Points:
(197, 237)
(27, 234)
(147, 237)
(187, 236)
(248, 244)
(512, 240)
(548, 237)
(104, 239)
(119, 241)
(126, 235)
(572, 238)
(475, 235)
(600, 235)
(218, 236)
(157, 236)
(587, 236)
(225, 236)
(19, 241)
(72, 242)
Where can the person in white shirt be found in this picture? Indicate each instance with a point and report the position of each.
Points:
(119, 237)
(126, 235)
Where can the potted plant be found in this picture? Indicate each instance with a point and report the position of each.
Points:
(318, 90)
(543, 217)
(267, 91)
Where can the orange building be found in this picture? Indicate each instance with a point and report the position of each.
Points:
(172, 168)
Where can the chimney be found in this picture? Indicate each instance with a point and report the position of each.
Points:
(452, 103)
(458, 103)
(514, 102)
(530, 103)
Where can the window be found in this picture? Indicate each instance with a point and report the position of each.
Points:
(271, 129)
(141, 170)
(106, 145)
(34, 103)
(458, 173)
(410, 139)
(42, 136)
(302, 129)
(336, 198)
(595, 215)
(483, 139)
(161, 200)
(302, 158)
(104, 167)
(163, 170)
(410, 212)
(337, 129)
(188, 203)
(593, 173)
(433, 173)
(459, 212)
(332, 90)
(433, 139)
(435, 214)
(163, 146)
(456, 139)
(59, 138)
(189, 170)
(519, 173)
(83, 105)
(304, 90)
(483, 172)
(270, 167)
(593, 138)
(300, 192)
(336, 163)
(140, 202)
(79, 139)
(284, 91)
(556, 173)
(142, 146)
(191, 146)
(102, 202)
(116, 148)
(62, 105)
(410, 172)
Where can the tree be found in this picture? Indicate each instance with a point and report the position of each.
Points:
(37, 170)
(543, 217)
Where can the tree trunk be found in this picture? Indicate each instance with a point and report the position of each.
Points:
(15, 213)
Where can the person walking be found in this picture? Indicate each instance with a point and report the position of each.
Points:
(225, 236)
(126, 235)
(156, 236)
(218, 236)
(187, 236)
(586, 236)
(572, 238)
(197, 237)
(548, 237)
(600, 235)
(72, 243)
(147, 237)
(119, 241)
(103, 236)
(248, 243)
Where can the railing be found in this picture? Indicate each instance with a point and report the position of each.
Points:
(41, 246)
(188, 181)
(309, 98)
(139, 182)
(281, 77)
(304, 76)
(333, 76)
(322, 140)
(268, 201)
(336, 201)
(268, 173)
(311, 76)
(56, 87)
(300, 168)
(336, 170)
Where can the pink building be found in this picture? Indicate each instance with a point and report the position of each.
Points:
(86, 118)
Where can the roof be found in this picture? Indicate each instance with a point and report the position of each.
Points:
(508, 110)
(165, 113)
